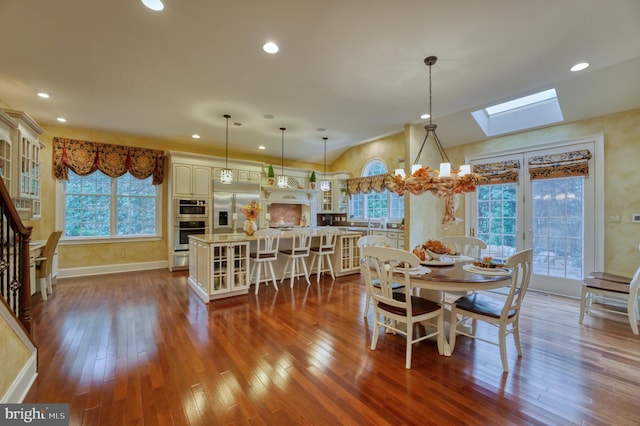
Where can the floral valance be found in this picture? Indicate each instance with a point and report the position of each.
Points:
(84, 157)
(574, 163)
(366, 184)
(497, 173)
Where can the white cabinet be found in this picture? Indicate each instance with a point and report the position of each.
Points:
(396, 237)
(346, 259)
(191, 180)
(20, 163)
(218, 269)
(336, 200)
(6, 125)
(249, 176)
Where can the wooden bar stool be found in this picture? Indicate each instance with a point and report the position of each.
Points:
(267, 243)
(322, 253)
(300, 248)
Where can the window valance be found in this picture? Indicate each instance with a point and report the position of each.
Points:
(574, 163)
(84, 157)
(497, 173)
(366, 184)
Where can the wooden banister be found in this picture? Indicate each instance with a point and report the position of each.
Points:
(15, 271)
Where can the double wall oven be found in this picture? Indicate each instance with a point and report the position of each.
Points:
(191, 217)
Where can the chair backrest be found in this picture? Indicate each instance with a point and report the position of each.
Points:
(373, 240)
(634, 285)
(468, 246)
(301, 241)
(267, 243)
(520, 262)
(47, 253)
(328, 239)
(386, 264)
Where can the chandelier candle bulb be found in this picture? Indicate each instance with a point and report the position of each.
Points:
(414, 168)
(465, 169)
(445, 170)
(400, 172)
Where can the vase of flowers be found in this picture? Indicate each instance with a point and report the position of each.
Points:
(251, 212)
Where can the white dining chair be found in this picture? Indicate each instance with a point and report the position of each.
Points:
(388, 266)
(468, 246)
(372, 241)
(504, 313)
(612, 288)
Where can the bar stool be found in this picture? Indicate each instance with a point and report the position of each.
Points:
(322, 253)
(300, 247)
(267, 243)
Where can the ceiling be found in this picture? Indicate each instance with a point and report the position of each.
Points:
(354, 68)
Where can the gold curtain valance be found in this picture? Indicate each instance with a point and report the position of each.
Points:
(574, 163)
(367, 184)
(84, 157)
(496, 173)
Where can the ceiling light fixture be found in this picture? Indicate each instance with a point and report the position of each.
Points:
(195, 136)
(580, 66)
(270, 47)
(43, 95)
(325, 185)
(282, 179)
(444, 183)
(61, 119)
(153, 4)
(226, 175)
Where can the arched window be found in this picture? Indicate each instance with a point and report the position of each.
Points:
(377, 205)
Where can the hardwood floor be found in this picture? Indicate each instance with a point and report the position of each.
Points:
(140, 348)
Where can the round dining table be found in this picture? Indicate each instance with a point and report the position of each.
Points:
(454, 279)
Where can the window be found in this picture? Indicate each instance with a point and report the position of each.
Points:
(376, 205)
(97, 206)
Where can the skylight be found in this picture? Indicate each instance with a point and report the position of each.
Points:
(538, 109)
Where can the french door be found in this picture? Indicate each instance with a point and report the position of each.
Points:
(558, 218)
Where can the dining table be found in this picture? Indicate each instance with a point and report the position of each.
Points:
(456, 276)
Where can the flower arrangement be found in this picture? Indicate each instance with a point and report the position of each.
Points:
(434, 246)
(252, 210)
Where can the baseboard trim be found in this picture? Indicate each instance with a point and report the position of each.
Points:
(23, 382)
(111, 269)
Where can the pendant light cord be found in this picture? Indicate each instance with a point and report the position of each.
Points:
(282, 156)
(226, 149)
(324, 172)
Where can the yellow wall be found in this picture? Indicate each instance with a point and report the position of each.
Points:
(14, 355)
(85, 255)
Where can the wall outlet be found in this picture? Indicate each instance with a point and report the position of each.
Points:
(635, 218)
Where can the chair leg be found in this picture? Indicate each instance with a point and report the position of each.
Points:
(503, 347)
(376, 330)
(515, 330)
(304, 268)
(257, 268)
(407, 364)
(583, 302)
(313, 262)
(330, 266)
(273, 276)
(452, 328)
(43, 288)
(632, 312)
(440, 326)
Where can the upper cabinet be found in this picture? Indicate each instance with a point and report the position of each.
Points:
(20, 163)
(191, 180)
(336, 200)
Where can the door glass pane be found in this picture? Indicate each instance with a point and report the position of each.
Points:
(496, 216)
(557, 226)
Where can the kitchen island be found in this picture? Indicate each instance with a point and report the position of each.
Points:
(219, 264)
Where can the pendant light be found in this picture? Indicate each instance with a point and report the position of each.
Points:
(226, 175)
(445, 166)
(325, 185)
(282, 179)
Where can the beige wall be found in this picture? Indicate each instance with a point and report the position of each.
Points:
(14, 355)
(84, 255)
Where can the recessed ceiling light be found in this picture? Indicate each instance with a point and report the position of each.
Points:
(321, 129)
(195, 136)
(580, 66)
(154, 4)
(43, 95)
(424, 116)
(270, 47)
(262, 147)
(61, 119)
(269, 116)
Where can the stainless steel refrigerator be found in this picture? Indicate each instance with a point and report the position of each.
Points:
(230, 199)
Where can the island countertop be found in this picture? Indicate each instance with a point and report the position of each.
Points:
(224, 238)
